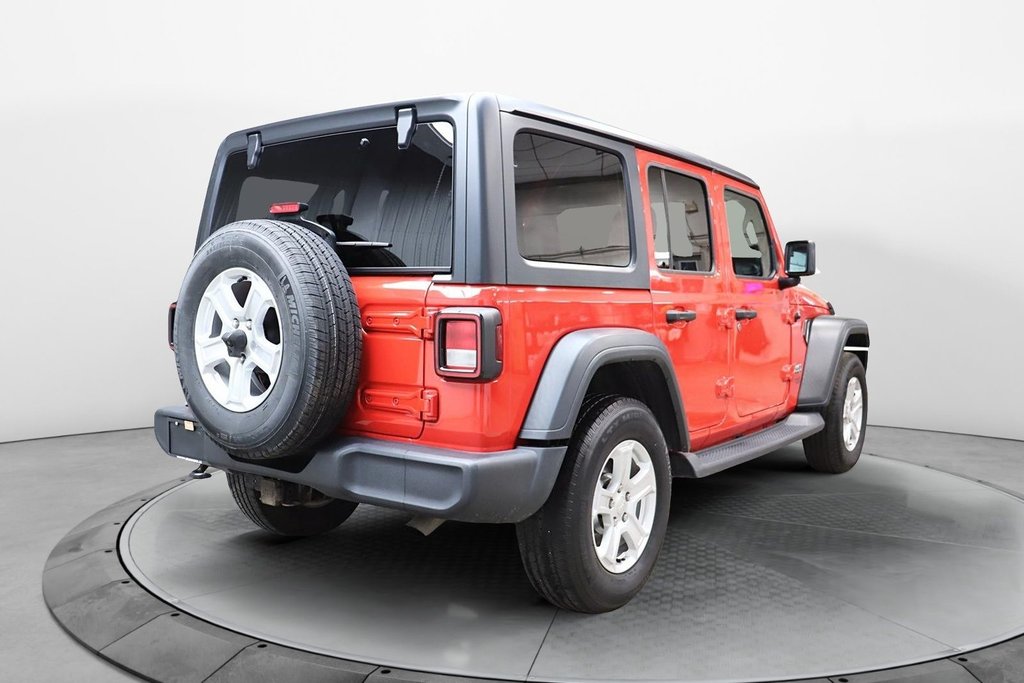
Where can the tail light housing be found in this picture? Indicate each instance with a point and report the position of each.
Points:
(468, 342)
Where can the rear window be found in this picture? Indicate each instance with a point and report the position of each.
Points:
(363, 187)
(570, 202)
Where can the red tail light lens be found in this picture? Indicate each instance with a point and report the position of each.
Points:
(461, 340)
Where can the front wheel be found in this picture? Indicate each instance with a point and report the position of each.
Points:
(837, 447)
(292, 510)
(593, 544)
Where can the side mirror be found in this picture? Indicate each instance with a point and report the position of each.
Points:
(800, 258)
(799, 262)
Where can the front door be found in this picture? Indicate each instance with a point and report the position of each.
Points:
(762, 326)
(687, 290)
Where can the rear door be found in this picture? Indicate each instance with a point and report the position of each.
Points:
(687, 289)
(403, 199)
(391, 210)
(761, 315)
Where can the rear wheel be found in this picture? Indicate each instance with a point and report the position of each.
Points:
(593, 544)
(837, 447)
(296, 510)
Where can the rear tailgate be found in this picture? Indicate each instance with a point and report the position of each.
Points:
(391, 399)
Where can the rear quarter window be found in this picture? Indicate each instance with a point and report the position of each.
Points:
(570, 202)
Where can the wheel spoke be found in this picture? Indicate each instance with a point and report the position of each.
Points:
(238, 382)
(633, 534)
(602, 501)
(257, 303)
(622, 460)
(642, 484)
(610, 541)
(264, 355)
(223, 300)
(209, 352)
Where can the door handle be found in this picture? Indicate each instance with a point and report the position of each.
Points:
(745, 314)
(677, 316)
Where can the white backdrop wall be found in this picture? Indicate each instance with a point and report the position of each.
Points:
(891, 133)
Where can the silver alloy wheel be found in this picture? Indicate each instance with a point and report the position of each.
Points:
(853, 413)
(238, 339)
(625, 499)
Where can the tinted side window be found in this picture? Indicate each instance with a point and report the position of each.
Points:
(749, 242)
(682, 233)
(570, 203)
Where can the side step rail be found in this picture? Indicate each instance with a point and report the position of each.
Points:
(725, 455)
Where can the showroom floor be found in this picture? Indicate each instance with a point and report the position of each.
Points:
(120, 463)
(51, 484)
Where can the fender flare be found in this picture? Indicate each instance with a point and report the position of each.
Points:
(571, 366)
(827, 336)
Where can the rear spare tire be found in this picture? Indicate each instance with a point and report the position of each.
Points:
(267, 338)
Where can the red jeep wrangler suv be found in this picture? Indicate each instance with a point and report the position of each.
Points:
(480, 309)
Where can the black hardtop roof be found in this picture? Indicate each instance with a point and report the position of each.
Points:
(540, 111)
(511, 105)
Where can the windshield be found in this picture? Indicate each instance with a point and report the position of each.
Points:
(363, 187)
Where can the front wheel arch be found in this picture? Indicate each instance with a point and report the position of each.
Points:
(828, 337)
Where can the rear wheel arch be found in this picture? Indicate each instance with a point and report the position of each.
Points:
(645, 381)
(622, 361)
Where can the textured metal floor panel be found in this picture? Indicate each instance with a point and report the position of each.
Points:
(769, 571)
(709, 614)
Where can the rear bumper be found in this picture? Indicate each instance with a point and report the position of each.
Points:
(507, 486)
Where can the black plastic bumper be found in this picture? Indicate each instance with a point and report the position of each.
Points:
(507, 486)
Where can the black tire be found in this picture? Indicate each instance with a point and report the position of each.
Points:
(319, 329)
(295, 521)
(827, 451)
(557, 543)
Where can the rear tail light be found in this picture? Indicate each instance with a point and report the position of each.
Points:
(461, 345)
(468, 343)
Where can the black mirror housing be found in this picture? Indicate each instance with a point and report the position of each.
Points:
(800, 259)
